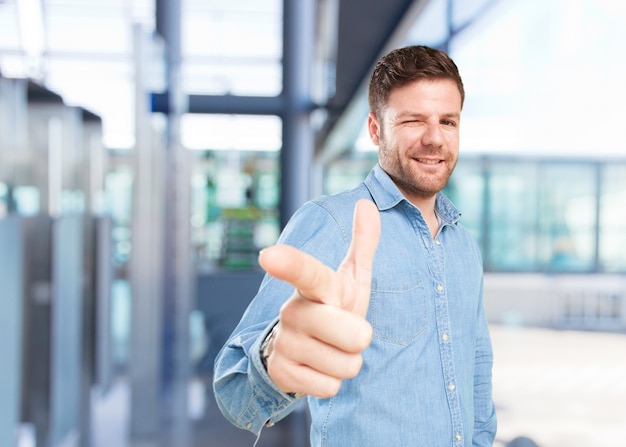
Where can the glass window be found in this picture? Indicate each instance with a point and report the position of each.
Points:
(231, 132)
(119, 196)
(567, 217)
(232, 47)
(612, 235)
(511, 240)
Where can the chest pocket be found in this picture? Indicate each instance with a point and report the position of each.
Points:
(398, 307)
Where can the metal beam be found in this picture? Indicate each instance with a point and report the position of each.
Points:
(227, 104)
(177, 270)
(296, 155)
(145, 358)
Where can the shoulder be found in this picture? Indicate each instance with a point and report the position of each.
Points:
(322, 227)
(341, 206)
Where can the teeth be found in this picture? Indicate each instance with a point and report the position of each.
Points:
(428, 162)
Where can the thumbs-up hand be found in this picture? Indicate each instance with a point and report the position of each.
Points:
(322, 328)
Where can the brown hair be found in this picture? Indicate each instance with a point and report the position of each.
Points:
(405, 65)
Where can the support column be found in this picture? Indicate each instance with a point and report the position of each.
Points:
(145, 275)
(11, 320)
(178, 270)
(298, 136)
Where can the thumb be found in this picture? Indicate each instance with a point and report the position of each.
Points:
(357, 265)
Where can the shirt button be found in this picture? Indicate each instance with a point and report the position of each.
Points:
(458, 437)
(249, 425)
(437, 241)
(445, 337)
(440, 288)
(451, 387)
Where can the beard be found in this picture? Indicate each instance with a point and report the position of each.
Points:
(411, 178)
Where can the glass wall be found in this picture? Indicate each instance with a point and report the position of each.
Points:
(612, 234)
(567, 215)
(511, 239)
(232, 47)
(531, 214)
(541, 215)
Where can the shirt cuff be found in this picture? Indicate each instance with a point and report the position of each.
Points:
(259, 372)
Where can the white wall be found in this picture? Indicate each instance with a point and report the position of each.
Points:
(562, 301)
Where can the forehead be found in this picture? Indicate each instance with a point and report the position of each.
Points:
(423, 95)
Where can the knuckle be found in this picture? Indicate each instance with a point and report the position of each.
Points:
(288, 312)
(362, 338)
(330, 388)
(292, 313)
(354, 366)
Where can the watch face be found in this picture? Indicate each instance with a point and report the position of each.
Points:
(265, 346)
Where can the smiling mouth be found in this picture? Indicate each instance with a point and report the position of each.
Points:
(428, 161)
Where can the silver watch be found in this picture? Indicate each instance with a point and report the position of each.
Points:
(265, 346)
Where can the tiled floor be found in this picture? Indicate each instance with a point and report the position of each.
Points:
(558, 388)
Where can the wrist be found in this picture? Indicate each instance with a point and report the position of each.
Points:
(266, 350)
(267, 345)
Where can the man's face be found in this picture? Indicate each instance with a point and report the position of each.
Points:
(418, 136)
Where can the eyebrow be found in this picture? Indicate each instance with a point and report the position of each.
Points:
(421, 115)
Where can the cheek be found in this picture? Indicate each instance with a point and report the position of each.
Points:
(452, 141)
(388, 156)
(410, 138)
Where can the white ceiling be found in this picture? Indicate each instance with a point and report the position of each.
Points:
(86, 54)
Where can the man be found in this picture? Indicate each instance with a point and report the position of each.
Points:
(376, 317)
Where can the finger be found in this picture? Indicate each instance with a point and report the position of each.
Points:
(323, 357)
(296, 378)
(333, 326)
(360, 258)
(313, 279)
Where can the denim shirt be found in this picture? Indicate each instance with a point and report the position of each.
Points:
(426, 377)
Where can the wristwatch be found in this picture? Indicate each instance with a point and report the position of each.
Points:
(267, 345)
(266, 348)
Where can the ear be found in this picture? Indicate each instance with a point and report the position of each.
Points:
(373, 127)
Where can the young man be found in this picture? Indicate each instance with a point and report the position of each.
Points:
(372, 306)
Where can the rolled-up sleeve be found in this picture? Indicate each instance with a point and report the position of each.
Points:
(244, 392)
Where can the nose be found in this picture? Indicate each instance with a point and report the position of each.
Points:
(432, 135)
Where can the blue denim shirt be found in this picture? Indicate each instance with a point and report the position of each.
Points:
(426, 377)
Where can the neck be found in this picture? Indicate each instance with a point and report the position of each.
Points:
(426, 204)
(427, 207)
(433, 223)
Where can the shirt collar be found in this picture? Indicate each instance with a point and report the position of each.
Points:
(386, 195)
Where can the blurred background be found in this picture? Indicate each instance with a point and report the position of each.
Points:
(150, 148)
